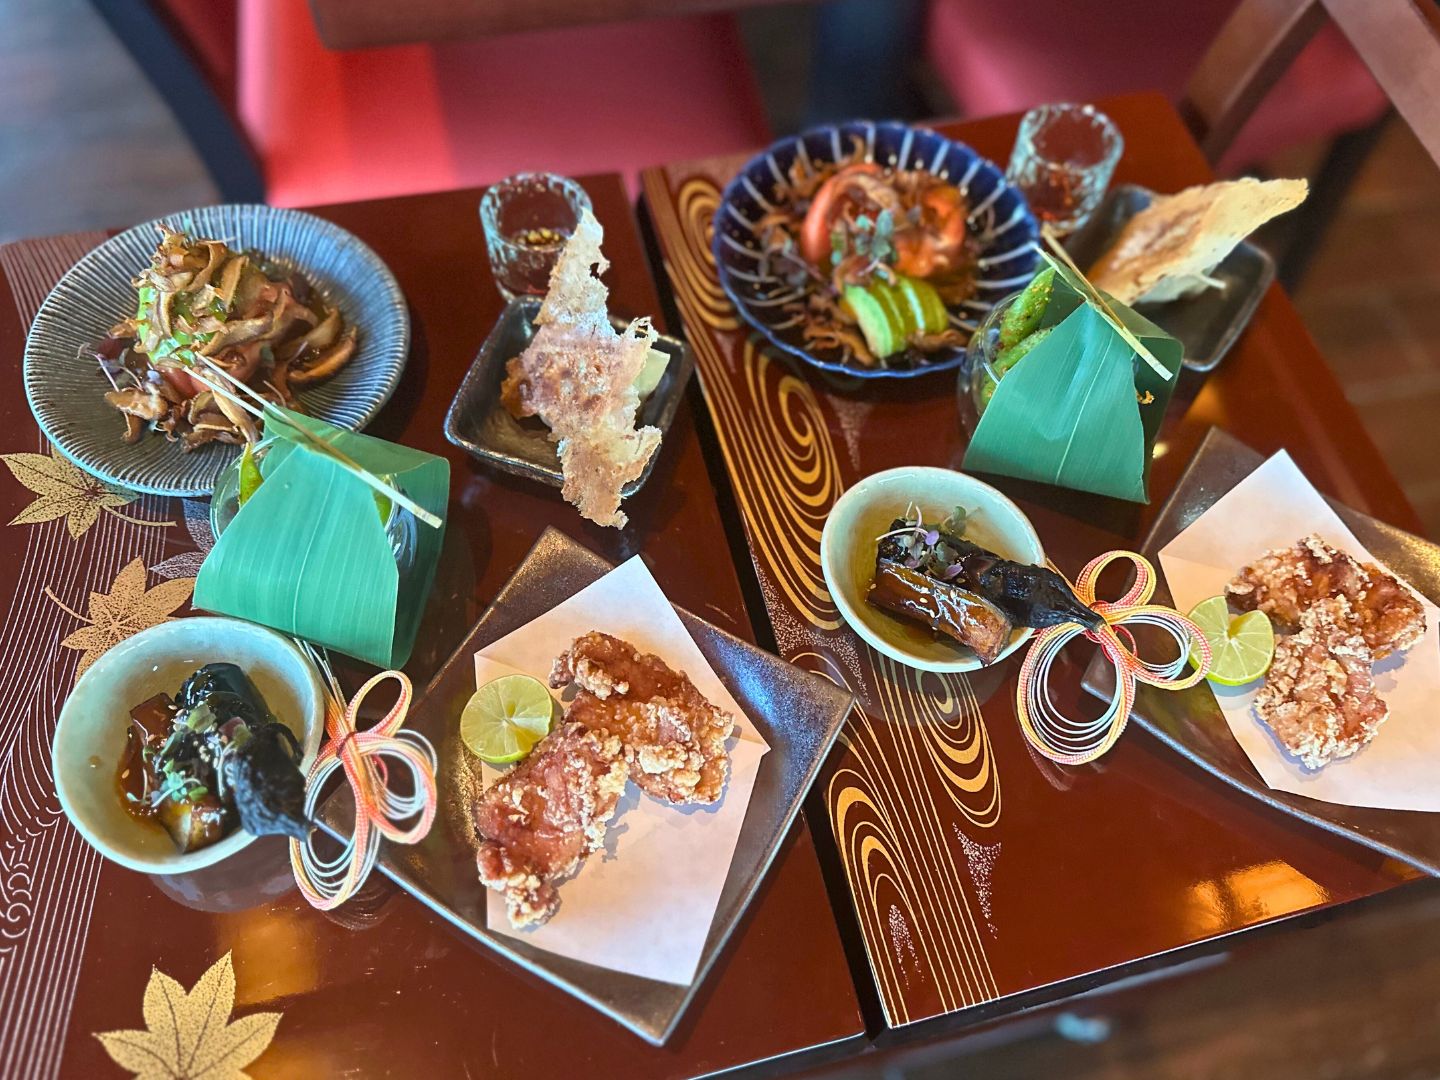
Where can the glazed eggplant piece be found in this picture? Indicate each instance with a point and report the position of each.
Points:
(212, 758)
(266, 786)
(1029, 595)
(947, 609)
(195, 821)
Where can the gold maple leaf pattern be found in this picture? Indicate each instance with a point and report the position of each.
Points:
(126, 609)
(190, 1036)
(64, 490)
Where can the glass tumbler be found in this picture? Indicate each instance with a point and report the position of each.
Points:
(1063, 160)
(527, 218)
(980, 375)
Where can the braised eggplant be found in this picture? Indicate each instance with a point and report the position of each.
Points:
(213, 758)
(948, 609)
(933, 575)
(1030, 595)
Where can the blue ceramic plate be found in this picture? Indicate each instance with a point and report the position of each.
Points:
(999, 217)
(66, 391)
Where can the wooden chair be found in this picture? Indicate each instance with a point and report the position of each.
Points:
(1399, 41)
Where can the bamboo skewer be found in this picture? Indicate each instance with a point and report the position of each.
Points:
(350, 464)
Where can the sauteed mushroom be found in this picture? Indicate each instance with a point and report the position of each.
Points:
(203, 303)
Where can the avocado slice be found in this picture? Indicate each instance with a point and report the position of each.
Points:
(874, 324)
(927, 310)
(897, 310)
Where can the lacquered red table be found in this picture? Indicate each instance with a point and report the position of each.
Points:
(383, 987)
(982, 878)
(1092, 874)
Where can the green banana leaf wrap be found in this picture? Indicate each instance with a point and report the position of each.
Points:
(308, 553)
(1069, 412)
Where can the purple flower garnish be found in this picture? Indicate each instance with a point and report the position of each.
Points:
(931, 537)
(912, 562)
(951, 571)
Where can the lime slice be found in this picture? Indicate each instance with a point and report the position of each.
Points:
(1241, 648)
(506, 717)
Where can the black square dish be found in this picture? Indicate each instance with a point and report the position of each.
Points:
(1206, 324)
(798, 713)
(1190, 721)
(479, 423)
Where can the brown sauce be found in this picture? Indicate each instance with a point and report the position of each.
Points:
(149, 726)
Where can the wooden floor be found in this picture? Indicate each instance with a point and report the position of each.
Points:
(1372, 301)
(84, 142)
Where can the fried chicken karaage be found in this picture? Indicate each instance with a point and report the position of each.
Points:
(1284, 583)
(1319, 698)
(540, 821)
(674, 738)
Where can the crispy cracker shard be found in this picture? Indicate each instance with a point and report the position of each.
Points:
(1285, 582)
(674, 738)
(1319, 698)
(540, 821)
(1169, 249)
(578, 376)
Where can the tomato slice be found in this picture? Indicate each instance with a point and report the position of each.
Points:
(825, 207)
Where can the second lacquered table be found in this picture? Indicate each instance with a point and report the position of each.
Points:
(983, 878)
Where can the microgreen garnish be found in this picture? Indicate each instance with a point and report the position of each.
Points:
(924, 547)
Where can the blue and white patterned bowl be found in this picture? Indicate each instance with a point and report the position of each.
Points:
(66, 390)
(999, 217)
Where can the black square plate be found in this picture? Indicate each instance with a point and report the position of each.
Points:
(797, 712)
(1190, 721)
(477, 421)
(1206, 324)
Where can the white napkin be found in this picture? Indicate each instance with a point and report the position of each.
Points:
(1274, 507)
(644, 904)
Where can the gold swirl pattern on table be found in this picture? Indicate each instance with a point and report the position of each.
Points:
(919, 766)
(890, 809)
(942, 724)
(693, 267)
(891, 830)
(771, 429)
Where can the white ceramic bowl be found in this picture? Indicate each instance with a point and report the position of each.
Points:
(864, 513)
(90, 735)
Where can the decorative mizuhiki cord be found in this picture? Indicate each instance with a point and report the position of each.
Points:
(379, 812)
(1075, 742)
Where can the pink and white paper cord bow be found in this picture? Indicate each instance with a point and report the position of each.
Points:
(366, 757)
(1075, 742)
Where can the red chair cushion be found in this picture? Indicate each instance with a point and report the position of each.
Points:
(337, 126)
(1008, 57)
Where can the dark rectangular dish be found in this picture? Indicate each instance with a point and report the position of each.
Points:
(1206, 324)
(479, 423)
